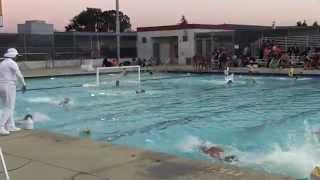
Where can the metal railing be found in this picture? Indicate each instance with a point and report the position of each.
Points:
(312, 41)
(66, 46)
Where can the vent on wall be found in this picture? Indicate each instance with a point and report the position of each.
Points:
(185, 36)
(144, 40)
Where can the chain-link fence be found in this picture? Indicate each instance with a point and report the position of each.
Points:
(68, 46)
(236, 41)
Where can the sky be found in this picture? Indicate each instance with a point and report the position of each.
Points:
(166, 12)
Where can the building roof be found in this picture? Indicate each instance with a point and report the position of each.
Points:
(96, 33)
(202, 26)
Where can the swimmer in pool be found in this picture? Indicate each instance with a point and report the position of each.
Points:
(140, 91)
(229, 79)
(123, 73)
(27, 122)
(117, 83)
(214, 152)
(65, 102)
(218, 153)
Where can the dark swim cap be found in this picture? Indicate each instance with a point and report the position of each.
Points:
(28, 116)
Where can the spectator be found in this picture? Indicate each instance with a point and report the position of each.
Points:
(106, 63)
(115, 62)
(284, 61)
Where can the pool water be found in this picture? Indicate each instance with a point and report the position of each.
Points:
(269, 123)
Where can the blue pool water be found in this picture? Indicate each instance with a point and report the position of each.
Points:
(268, 122)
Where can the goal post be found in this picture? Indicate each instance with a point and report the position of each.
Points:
(117, 69)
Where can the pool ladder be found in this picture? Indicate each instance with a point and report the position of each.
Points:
(4, 165)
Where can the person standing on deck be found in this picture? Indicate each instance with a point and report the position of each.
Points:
(9, 72)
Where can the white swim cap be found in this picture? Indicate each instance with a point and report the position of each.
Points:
(11, 53)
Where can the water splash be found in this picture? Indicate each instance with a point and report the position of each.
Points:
(89, 85)
(191, 144)
(40, 117)
(48, 100)
(292, 159)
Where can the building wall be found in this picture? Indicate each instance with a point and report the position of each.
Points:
(36, 27)
(186, 48)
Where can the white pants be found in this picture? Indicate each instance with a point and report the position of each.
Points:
(8, 98)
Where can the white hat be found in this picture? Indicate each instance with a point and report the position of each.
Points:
(11, 53)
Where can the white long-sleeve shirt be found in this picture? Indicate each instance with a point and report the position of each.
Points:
(9, 72)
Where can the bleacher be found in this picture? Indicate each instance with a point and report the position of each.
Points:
(285, 42)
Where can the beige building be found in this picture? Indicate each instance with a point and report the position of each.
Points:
(177, 44)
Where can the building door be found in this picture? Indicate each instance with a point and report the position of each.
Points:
(199, 47)
(208, 48)
(156, 53)
(174, 53)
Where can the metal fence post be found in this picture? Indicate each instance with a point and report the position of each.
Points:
(53, 51)
(91, 46)
(74, 45)
(25, 47)
(286, 43)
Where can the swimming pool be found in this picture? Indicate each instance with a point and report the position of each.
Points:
(268, 122)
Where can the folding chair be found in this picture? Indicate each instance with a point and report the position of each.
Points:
(4, 165)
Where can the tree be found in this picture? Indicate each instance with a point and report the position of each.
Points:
(315, 24)
(88, 20)
(110, 18)
(183, 21)
(94, 20)
(299, 23)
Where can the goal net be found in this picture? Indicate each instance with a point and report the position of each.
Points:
(127, 75)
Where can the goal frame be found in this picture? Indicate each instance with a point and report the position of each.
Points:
(116, 67)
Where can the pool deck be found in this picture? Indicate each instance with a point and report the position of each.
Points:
(35, 155)
(173, 69)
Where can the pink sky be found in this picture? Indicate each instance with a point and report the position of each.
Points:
(165, 12)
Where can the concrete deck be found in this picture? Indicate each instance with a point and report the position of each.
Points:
(45, 156)
(184, 69)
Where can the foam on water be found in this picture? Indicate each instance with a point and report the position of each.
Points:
(304, 79)
(40, 117)
(295, 159)
(292, 78)
(191, 144)
(285, 78)
(89, 85)
(47, 100)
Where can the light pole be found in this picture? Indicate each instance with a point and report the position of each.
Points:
(118, 30)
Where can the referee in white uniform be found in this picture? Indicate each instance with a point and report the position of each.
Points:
(9, 73)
